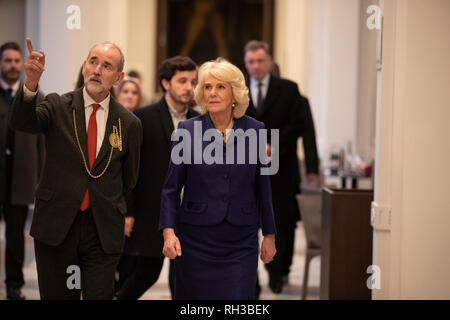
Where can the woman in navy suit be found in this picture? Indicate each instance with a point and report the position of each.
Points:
(213, 232)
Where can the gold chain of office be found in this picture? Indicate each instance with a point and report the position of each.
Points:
(118, 145)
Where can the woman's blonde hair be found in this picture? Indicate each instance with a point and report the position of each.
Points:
(223, 70)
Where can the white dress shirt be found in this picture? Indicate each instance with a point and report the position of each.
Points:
(101, 115)
(254, 88)
(177, 117)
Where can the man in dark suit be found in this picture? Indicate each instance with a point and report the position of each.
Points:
(177, 76)
(277, 102)
(20, 158)
(91, 166)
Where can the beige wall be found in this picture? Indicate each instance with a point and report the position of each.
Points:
(66, 49)
(10, 13)
(141, 48)
(413, 151)
(128, 23)
(317, 43)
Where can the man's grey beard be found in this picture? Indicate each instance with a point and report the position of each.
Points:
(94, 88)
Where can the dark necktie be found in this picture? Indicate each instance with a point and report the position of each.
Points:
(92, 149)
(9, 96)
(260, 98)
(9, 133)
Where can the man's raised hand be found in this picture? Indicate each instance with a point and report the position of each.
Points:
(34, 67)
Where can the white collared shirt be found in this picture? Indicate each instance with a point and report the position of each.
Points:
(101, 116)
(254, 88)
(177, 117)
(6, 86)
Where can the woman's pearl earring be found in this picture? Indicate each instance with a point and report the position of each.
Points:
(233, 104)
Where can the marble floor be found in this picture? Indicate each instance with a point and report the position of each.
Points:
(160, 291)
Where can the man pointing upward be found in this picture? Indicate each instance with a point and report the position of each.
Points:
(92, 162)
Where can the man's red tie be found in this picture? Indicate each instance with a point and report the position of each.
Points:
(92, 149)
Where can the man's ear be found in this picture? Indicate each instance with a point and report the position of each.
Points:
(119, 78)
(166, 84)
(84, 68)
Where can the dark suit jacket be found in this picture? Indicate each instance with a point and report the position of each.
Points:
(155, 157)
(64, 179)
(215, 192)
(285, 109)
(26, 163)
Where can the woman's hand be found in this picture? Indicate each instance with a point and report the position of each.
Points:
(172, 247)
(268, 250)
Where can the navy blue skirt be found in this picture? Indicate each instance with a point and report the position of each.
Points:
(218, 262)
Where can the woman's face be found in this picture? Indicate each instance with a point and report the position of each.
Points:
(217, 94)
(129, 96)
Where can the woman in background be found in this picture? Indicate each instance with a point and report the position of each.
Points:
(129, 93)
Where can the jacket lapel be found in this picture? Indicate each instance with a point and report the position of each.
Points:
(238, 135)
(206, 125)
(272, 94)
(166, 120)
(80, 118)
(113, 120)
(191, 113)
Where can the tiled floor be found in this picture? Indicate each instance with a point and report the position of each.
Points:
(160, 291)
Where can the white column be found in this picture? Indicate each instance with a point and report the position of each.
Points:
(141, 53)
(290, 48)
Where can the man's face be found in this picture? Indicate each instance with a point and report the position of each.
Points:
(11, 65)
(258, 63)
(100, 70)
(181, 86)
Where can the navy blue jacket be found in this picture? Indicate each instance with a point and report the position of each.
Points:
(214, 192)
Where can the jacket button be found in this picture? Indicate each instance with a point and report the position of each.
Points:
(225, 176)
(225, 199)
